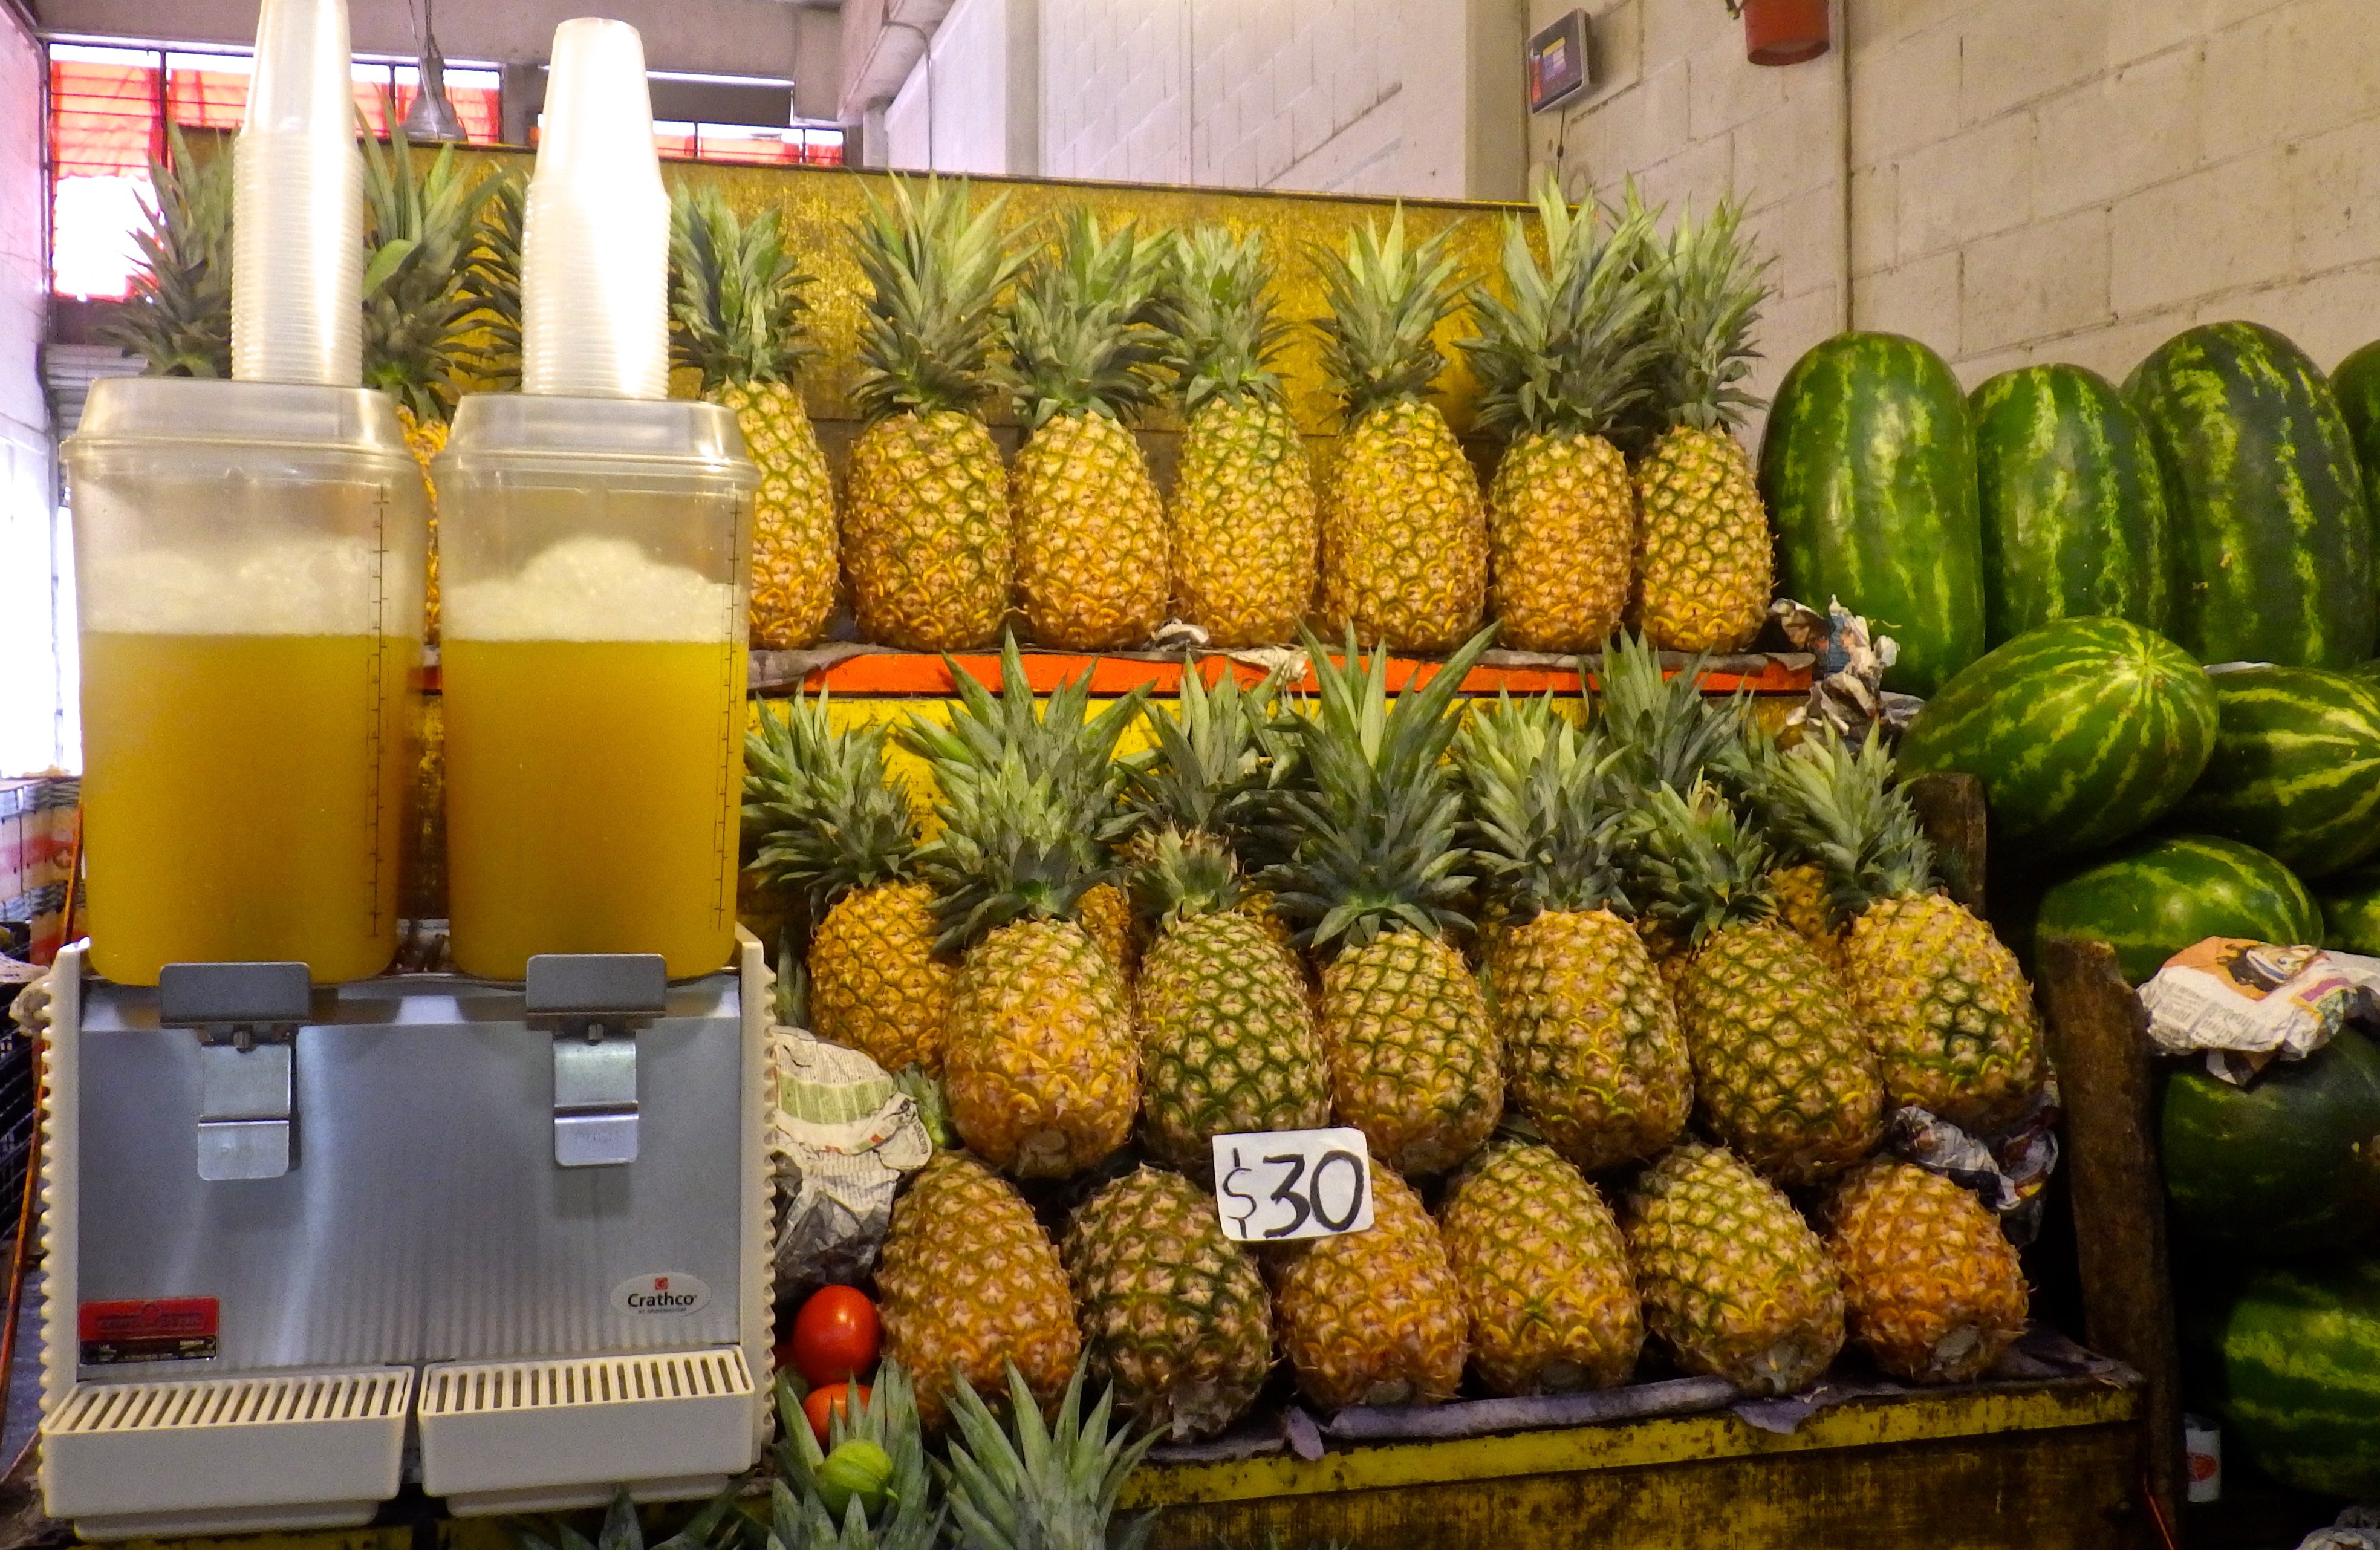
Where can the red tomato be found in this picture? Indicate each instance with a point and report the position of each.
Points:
(824, 1403)
(834, 1337)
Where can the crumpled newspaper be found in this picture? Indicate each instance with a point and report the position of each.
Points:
(2008, 1172)
(32, 1008)
(2246, 1004)
(2358, 1529)
(1847, 689)
(841, 1138)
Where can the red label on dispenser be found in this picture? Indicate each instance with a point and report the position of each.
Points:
(148, 1329)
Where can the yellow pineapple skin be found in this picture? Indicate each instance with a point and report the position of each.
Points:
(426, 439)
(1413, 1062)
(1038, 1058)
(926, 538)
(876, 985)
(1374, 1317)
(1591, 1038)
(1800, 892)
(1246, 530)
(1174, 1315)
(1106, 913)
(1404, 534)
(1562, 538)
(1709, 561)
(1783, 1073)
(967, 1280)
(1227, 1038)
(1952, 1017)
(1735, 1283)
(1934, 1289)
(795, 560)
(1090, 536)
(1545, 1274)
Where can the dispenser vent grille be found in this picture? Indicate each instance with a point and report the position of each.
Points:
(497, 1387)
(96, 1409)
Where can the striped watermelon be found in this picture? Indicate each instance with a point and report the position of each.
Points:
(2351, 911)
(2272, 540)
(1869, 470)
(2072, 506)
(2288, 1164)
(2154, 898)
(2356, 385)
(2296, 771)
(2082, 731)
(2300, 1375)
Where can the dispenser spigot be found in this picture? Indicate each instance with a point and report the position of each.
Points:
(247, 1018)
(593, 1004)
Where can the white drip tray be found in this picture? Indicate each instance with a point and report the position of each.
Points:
(226, 1454)
(534, 1436)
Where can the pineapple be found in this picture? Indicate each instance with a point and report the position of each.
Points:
(1038, 1053)
(1212, 769)
(926, 539)
(1936, 1292)
(1590, 1036)
(491, 355)
(1949, 1010)
(1802, 902)
(832, 830)
(1708, 557)
(1243, 532)
(1734, 1282)
(177, 319)
(1090, 529)
(1105, 912)
(1174, 1314)
(1545, 1273)
(1404, 533)
(1782, 1069)
(968, 1283)
(1032, 1485)
(1413, 1062)
(1559, 363)
(1374, 1317)
(738, 308)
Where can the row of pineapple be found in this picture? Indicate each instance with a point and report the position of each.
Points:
(1674, 922)
(1604, 336)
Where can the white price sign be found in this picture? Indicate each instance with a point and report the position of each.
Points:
(1277, 1186)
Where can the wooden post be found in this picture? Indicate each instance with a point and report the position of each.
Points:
(2098, 1039)
(1949, 806)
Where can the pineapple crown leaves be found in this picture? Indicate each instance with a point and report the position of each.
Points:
(1221, 332)
(1711, 283)
(1386, 300)
(821, 813)
(885, 1416)
(1080, 330)
(1570, 348)
(1209, 762)
(1178, 877)
(1036, 1485)
(420, 228)
(1065, 742)
(1705, 870)
(179, 322)
(621, 1530)
(1666, 730)
(1377, 848)
(492, 278)
(1838, 806)
(936, 270)
(736, 292)
(1538, 818)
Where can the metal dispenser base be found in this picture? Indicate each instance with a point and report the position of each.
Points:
(446, 1258)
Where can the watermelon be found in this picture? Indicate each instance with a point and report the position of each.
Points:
(2356, 385)
(2288, 1164)
(2299, 1353)
(2153, 900)
(2351, 911)
(2272, 541)
(2296, 770)
(2072, 506)
(2082, 731)
(1868, 468)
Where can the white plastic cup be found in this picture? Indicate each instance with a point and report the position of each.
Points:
(595, 237)
(2203, 1446)
(298, 204)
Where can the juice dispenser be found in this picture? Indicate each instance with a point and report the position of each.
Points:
(595, 550)
(249, 571)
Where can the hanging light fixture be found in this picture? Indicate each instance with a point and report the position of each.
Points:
(431, 117)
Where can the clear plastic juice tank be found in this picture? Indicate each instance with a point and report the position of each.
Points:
(249, 574)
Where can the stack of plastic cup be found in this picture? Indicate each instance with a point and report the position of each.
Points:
(595, 242)
(298, 213)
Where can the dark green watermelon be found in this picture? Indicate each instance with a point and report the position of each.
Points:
(2356, 385)
(2296, 769)
(2082, 731)
(2299, 1355)
(2272, 540)
(2288, 1164)
(2072, 505)
(2153, 900)
(2350, 911)
(1868, 468)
